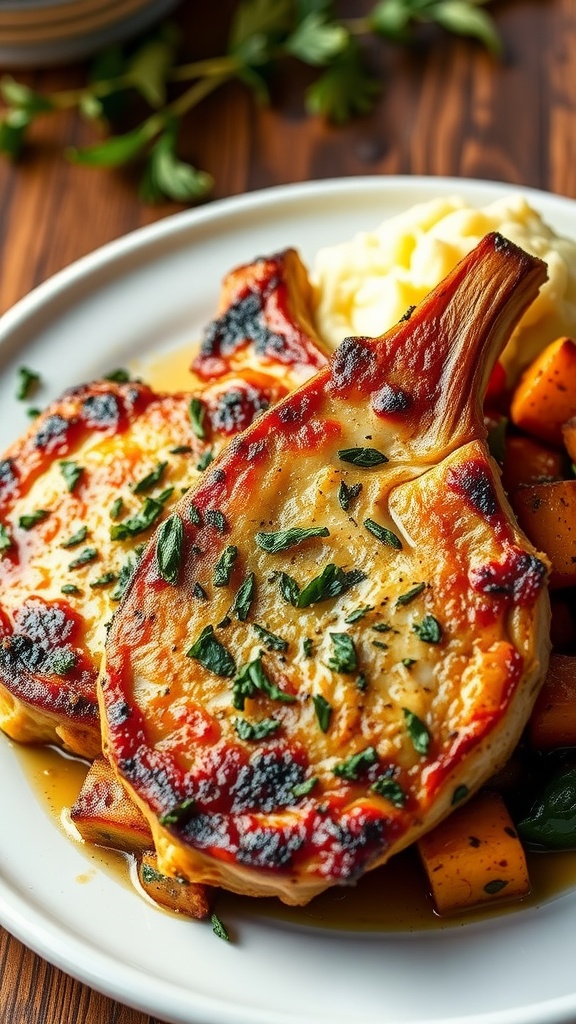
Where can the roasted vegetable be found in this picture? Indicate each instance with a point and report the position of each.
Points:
(547, 514)
(527, 461)
(173, 893)
(553, 719)
(551, 824)
(545, 398)
(475, 857)
(104, 814)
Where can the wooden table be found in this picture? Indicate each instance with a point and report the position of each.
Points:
(447, 109)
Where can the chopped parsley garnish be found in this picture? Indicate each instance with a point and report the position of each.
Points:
(460, 793)
(382, 627)
(380, 645)
(358, 613)
(197, 411)
(181, 449)
(33, 412)
(365, 457)
(194, 515)
(84, 558)
(71, 472)
(356, 765)
(29, 520)
(408, 662)
(116, 508)
(270, 640)
(169, 543)
(70, 588)
(346, 495)
(323, 711)
(224, 566)
(28, 381)
(410, 594)
(428, 630)
(331, 582)
(75, 538)
(198, 591)
(151, 509)
(205, 459)
(361, 683)
(244, 597)
(218, 928)
(283, 539)
(251, 680)
(495, 886)
(61, 662)
(126, 572)
(212, 654)
(390, 790)
(417, 731)
(105, 580)
(151, 479)
(5, 538)
(344, 658)
(217, 519)
(119, 376)
(303, 788)
(307, 647)
(179, 813)
(383, 535)
(253, 731)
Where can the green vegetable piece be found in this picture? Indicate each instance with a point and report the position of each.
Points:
(116, 508)
(205, 459)
(151, 479)
(84, 558)
(119, 376)
(224, 566)
(428, 630)
(410, 595)
(383, 535)
(61, 662)
(346, 87)
(212, 654)
(347, 495)
(417, 731)
(316, 40)
(459, 794)
(251, 732)
(304, 788)
(551, 823)
(197, 411)
(356, 765)
(323, 710)
(364, 457)
(169, 544)
(126, 573)
(219, 928)
(13, 129)
(70, 588)
(307, 647)
(194, 514)
(270, 640)
(344, 659)
(30, 520)
(104, 581)
(244, 597)
(71, 472)
(28, 382)
(167, 177)
(283, 539)
(75, 538)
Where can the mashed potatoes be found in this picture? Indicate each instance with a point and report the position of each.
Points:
(366, 285)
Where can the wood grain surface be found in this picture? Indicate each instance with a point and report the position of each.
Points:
(448, 108)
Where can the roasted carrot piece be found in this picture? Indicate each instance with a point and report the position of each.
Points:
(176, 894)
(104, 814)
(547, 514)
(527, 461)
(545, 398)
(474, 857)
(553, 720)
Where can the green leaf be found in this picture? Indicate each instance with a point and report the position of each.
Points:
(12, 132)
(214, 517)
(382, 534)
(254, 731)
(390, 790)
(551, 823)
(224, 566)
(179, 813)
(28, 381)
(331, 582)
(429, 630)
(410, 595)
(346, 495)
(256, 24)
(21, 98)
(270, 640)
(5, 539)
(71, 472)
(143, 520)
(357, 764)
(151, 479)
(244, 597)
(76, 538)
(253, 679)
(323, 710)
(116, 150)
(316, 40)
(417, 731)
(127, 570)
(283, 539)
(344, 90)
(391, 18)
(166, 176)
(149, 67)
(60, 662)
(303, 788)
(85, 557)
(212, 654)
(364, 457)
(358, 613)
(109, 64)
(465, 19)
(118, 376)
(104, 580)
(169, 543)
(218, 928)
(344, 658)
(29, 520)
(197, 410)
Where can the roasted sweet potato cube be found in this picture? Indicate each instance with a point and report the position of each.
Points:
(474, 857)
(176, 894)
(547, 514)
(528, 461)
(104, 814)
(553, 720)
(545, 398)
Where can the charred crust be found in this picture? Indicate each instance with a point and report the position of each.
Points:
(271, 848)
(118, 713)
(351, 362)
(266, 783)
(44, 623)
(242, 322)
(101, 410)
(52, 431)
(473, 481)
(237, 408)
(520, 577)
(8, 479)
(391, 399)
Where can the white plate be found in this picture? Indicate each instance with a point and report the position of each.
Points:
(151, 291)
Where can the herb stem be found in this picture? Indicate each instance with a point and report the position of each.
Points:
(195, 94)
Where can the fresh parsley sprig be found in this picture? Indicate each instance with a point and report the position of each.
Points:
(261, 34)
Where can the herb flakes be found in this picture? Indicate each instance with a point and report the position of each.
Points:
(151, 479)
(383, 535)
(169, 543)
(76, 538)
(348, 494)
(364, 457)
(219, 928)
(344, 658)
(270, 640)
(410, 595)
(244, 597)
(390, 790)
(212, 654)
(253, 679)
(251, 732)
(323, 710)
(28, 382)
(429, 630)
(282, 539)
(417, 731)
(85, 557)
(29, 520)
(331, 582)
(224, 566)
(356, 765)
(71, 472)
